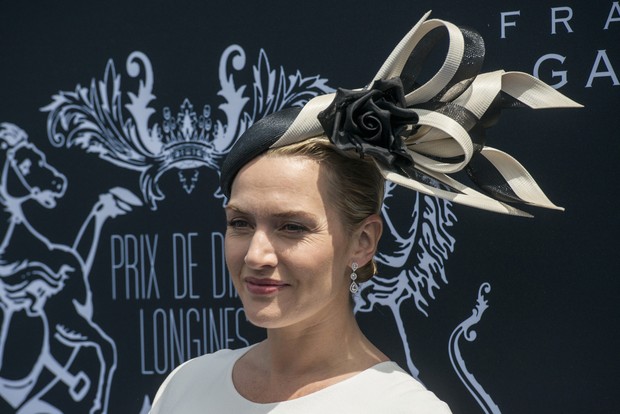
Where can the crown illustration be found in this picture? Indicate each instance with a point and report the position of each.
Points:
(186, 138)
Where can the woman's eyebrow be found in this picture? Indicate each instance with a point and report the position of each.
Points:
(295, 214)
(280, 214)
(233, 207)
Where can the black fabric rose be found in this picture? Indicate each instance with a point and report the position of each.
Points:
(370, 121)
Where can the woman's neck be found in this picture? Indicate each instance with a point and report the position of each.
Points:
(335, 343)
(293, 362)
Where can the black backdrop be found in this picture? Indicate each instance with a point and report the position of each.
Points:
(548, 340)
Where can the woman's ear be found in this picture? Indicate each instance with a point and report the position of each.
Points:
(367, 238)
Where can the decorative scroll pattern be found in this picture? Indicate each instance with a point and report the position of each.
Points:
(97, 120)
(465, 329)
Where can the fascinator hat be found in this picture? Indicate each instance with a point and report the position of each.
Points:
(419, 134)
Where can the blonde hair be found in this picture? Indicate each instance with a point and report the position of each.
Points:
(356, 186)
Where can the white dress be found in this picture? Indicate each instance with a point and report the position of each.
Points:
(204, 386)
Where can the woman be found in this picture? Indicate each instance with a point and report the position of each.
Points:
(301, 220)
(304, 190)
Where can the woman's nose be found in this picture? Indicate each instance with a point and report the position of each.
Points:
(261, 252)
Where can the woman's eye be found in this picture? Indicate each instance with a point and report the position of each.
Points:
(293, 228)
(237, 224)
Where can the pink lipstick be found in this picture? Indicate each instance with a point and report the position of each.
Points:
(260, 286)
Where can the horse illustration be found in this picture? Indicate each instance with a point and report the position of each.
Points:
(45, 297)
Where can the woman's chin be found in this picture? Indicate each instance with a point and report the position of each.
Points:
(264, 318)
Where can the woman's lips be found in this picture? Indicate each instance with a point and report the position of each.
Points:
(259, 286)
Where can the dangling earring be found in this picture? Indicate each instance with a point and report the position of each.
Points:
(354, 287)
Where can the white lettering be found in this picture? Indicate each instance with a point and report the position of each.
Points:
(505, 23)
(143, 368)
(172, 336)
(555, 19)
(601, 57)
(615, 8)
(222, 283)
(183, 284)
(554, 74)
(117, 264)
(159, 337)
(130, 257)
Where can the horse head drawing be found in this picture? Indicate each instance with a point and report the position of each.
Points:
(26, 175)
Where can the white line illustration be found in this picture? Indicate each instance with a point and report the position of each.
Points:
(44, 287)
(465, 330)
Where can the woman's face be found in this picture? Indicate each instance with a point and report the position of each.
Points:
(286, 249)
